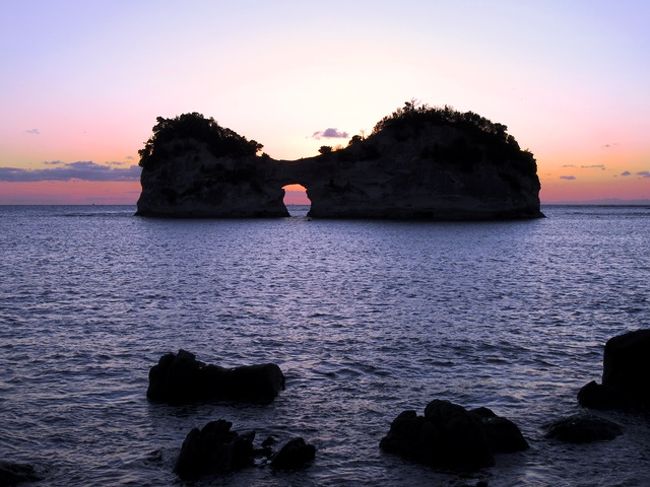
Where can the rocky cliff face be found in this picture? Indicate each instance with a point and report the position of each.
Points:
(194, 183)
(434, 172)
(192, 168)
(419, 163)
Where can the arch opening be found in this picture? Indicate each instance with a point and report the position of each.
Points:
(296, 200)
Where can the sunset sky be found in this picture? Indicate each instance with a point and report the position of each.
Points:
(83, 82)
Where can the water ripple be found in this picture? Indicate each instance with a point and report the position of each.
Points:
(365, 318)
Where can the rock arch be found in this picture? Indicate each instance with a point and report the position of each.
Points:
(433, 164)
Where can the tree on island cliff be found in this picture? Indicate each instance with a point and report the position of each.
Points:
(220, 141)
(355, 140)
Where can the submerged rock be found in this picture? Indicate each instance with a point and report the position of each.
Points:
(583, 428)
(449, 436)
(180, 378)
(626, 374)
(296, 453)
(454, 166)
(12, 473)
(214, 449)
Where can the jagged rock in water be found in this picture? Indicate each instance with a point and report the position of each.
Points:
(626, 374)
(214, 449)
(16, 473)
(180, 378)
(448, 436)
(418, 163)
(296, 453)
(583, 428)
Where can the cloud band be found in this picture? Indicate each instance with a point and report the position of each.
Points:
(81, 170)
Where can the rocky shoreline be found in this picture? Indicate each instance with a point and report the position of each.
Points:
(447, 437)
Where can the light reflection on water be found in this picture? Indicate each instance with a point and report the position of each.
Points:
(366, 318)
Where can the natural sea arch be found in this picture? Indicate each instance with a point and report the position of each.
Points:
(295, 195)
(434, 164)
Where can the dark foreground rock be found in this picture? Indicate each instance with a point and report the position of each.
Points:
(583, 428)
(626, 375)
(16, 473)
(448, 436)
(180, 378)
(214, 449)
(296, 453)
(503, 436)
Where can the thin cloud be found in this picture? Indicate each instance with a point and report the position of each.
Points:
(330, 133)
(626, 173)
(607, 146)
(129, 158)
(53, 163)
(569, 165)
(82, 170)
(33, 132)
(644, 174)
(594, 166)
(568, 178)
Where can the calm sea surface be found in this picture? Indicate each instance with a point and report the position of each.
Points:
(366, 319)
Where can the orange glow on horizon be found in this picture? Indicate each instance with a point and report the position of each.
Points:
(73, 192)
(612, 171)
(587, 184)
(295, 187)
(616, 188)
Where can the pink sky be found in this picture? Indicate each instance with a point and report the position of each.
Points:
(69, 192)
(84, 82)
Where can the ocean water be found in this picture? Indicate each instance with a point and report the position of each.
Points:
(366, 318)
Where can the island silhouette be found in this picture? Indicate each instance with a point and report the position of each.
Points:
(420, 162)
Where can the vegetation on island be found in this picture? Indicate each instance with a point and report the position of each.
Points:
(481, 138)
(476, 139)
(414, 115)
(169, 134)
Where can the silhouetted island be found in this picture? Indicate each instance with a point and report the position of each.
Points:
(419, 162)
